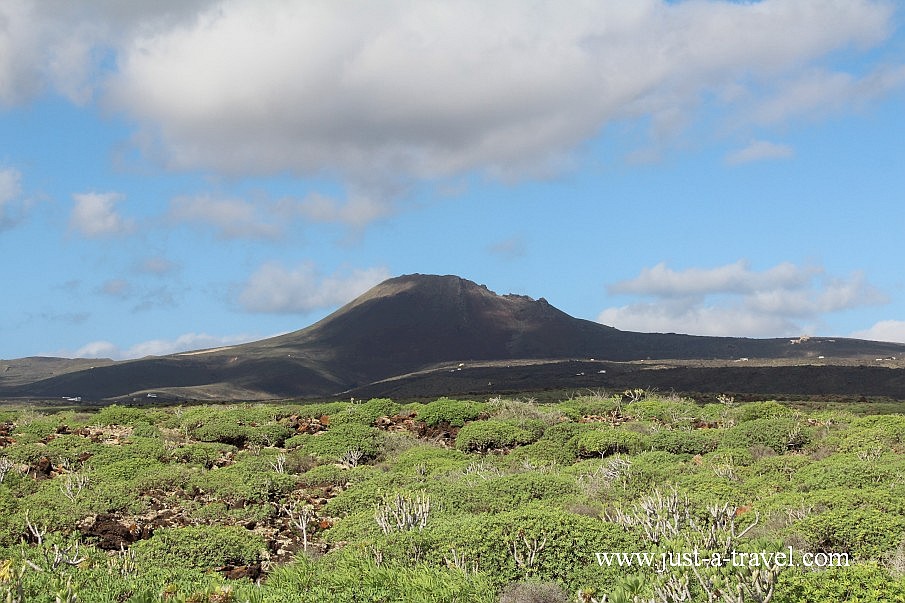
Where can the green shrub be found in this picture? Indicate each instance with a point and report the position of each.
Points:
(584, 406)
(848, 470)
(676, 413)
(118, 415)
(698, 441)
(568, 545)
(145, 430)
(339, 439)
(240, 484)
(861, 533)
(608, 440)
(366, 413)
(481, 436)
(270, 434)
(353, 577)
(200, 547)
(454, 412)
(509, 492)
(202, 453)
(861, 582)
(763, 410)
(778, 434)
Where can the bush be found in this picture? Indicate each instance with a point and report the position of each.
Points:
(698, 441)
(674, 413)
(339, 439)
(566, 545)
(861, 533)
(205, 454)
(778, 434)
(242, 484)
(200, 547)
(862, 582)
(607, 441)
(753, 411)
(454, 412)
(366, 413)
(118, 415)
(482, 436)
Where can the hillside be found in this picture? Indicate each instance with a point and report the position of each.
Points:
(417, 323)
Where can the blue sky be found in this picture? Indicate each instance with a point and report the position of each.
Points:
(194, 173)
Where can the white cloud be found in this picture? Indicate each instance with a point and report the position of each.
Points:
(274, 288)
(735, 300)
(95, 215)
(63, 44)
(158, 347)
(12, 206)
(885, 330)
(356, 212)
(760, 150)
(818, 93)
(429, 90)
(737, 277)
(231, 218)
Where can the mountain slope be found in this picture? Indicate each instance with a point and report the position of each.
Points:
(404, 325)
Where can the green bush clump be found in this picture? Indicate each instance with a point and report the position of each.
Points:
(366, 413)
(861, 582)
(200, 547)
(339, 439)
(670, 412)
(481, 436)
(427, 459)
(508, 492)
(779, 434)
(608, 440)
(763, 410)
(119, 415)
(848, 470)
(202, 453)
(454, 412)
(242, 484)
(352, 576)
(270, 434)
(698, 441)
(584, 406)
(567, 545)
(861, 533)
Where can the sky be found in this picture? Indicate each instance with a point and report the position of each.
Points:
(184, 174)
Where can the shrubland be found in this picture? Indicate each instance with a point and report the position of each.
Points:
(492, 500)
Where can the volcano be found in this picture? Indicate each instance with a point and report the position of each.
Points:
(420, 329)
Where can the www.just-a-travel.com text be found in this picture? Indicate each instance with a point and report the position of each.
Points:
(661, 561)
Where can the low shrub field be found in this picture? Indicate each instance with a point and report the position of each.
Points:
(640, 498)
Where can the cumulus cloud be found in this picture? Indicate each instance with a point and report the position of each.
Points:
(759, 150)
(94, 215)
(735, 300)
(63, 44)
(277, 289)
(885, 330)
(426, 90)
(158, 347)
(12, 205)
(230, 218)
